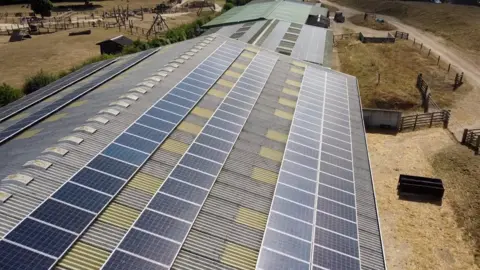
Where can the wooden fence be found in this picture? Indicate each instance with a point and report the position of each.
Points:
(425, 120)
(345, 36)
(471, 138)
(422, 86)
(401, 35)
(388, 39)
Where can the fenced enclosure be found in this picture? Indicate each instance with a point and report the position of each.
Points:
(388, 39)
(401, 35)
(345, 36)
(471, 138)
(425, 120)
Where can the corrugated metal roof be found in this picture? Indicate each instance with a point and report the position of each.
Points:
(228, 231)
(282, 10)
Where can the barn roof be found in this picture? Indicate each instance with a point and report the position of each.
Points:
(212, 153)
(121, 40)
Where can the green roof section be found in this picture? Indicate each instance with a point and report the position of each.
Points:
(244, 14)
(291, 12)
(318, 10)
(282, 10)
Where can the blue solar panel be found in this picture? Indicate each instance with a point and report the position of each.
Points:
(149, 246)
(179, 101)
(179, 199)
(163, 225)
(156, 123)
(175, 108)
(97, 180)
(13, 257)
(123, 261)
(315, 185)
(62, 215)
(184, 191)
(173, 207)
(112, 166)
(138, 143)
(126, 154)
(146, 132)
(82, 197)
(41, 237)
(165, 115)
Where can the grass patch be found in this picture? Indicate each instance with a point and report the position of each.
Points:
(370, 22)
(8, 94)
(456, 23)
(398, 65)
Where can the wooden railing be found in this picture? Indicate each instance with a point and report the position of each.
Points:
(401, 35)
(425, 120)
(471, 138)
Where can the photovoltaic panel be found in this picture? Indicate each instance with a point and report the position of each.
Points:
(315, 188)
(27, 101)
(183, 193)
(56, 223)
(30, 120)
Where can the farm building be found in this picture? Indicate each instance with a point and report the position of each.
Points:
(114, 45)
(290, 28)
(211, 153)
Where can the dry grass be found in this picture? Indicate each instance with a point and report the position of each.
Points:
(398, 65)
(370, 22)
(53, 52)
(422, 235)
(456, 23)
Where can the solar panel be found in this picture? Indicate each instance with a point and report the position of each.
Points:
(313, 214)
(54, 226)
(29, 100)
(16, 128)
(179, 200)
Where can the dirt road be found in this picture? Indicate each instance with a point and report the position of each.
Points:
(466, 111)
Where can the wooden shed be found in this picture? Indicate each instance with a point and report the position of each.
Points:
(114, 45)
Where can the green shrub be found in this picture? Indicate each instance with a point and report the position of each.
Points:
(227, 7)
(37, 81)
(8, 94)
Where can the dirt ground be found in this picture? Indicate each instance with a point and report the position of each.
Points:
(53, 52)
(101, 5)
(371, 22)
(420, 235)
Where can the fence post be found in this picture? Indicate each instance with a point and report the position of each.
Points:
(415, 124)
(477, 146)
(446, 118)
(427, 101)
(413, 41)
(431, 120)
(449, 67)
(464, 137)
(438, 61)
(421, 46)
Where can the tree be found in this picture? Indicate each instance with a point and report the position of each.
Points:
(42, 7)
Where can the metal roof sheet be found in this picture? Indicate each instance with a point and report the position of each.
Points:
(283, 10)
(228, 231)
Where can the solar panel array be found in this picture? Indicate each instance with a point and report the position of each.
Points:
(29, 100)
(18, 127)
(155, 239)
(39, 240)
(312, 222)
